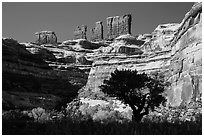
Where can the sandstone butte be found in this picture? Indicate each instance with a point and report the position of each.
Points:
(47, 67)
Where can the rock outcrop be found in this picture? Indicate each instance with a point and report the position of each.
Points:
(97, 32)
(174, 50)
(46, 37)
(80, 32)
(118, 25)
(160, 38)
(186, 62)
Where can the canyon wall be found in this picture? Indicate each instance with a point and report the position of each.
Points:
(174, 50)
(185, 71)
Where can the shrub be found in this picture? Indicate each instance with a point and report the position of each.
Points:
(40, 115)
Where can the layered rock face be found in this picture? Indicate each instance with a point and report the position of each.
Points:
(46, 37)
(80, 32)
(174, 50)
(97, 32)
(118, 25)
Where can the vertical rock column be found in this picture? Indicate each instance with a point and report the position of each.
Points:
(80, 32)
(118, 25)
(127, 20)
(109, 27)
(115, 26)
(97, 32)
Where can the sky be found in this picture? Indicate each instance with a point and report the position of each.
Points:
(20, 20)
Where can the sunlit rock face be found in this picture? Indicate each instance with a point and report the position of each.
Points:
(174, 50)
(160, 38)
(185, 71)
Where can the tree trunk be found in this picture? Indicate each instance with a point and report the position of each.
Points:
(137, 117)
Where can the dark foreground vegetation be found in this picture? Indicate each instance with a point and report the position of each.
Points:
(19, 124)
(67, 126)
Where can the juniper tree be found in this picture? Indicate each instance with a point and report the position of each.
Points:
(140, 91)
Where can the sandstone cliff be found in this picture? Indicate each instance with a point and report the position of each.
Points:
(175, 50)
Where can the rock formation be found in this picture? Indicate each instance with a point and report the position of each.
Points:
(97, 32)
(118, 25)
(46, 37)
(160, 38)
(174, 50)
(80, 32)
(186, 62)
(42, 74)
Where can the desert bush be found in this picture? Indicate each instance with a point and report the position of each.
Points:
(175, 114)
(74, 123)
(103, 113)
(15, 115)
(67, 126)
(40, 115)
